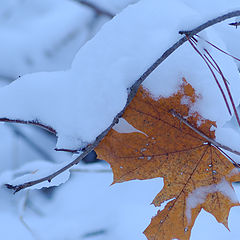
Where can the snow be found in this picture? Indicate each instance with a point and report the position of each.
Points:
(199, 195)
(87, 203)
(109, 64)
(46, 47)
(81, 99)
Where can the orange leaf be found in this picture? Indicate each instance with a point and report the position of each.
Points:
(196, 175)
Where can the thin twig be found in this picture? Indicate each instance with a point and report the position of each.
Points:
(66, 150)
(226, 86)
(33, 122)
(21, 217)
(237, 165)
(96, 8)
(133, 91)
(205, 59)
(28, 228)
(208, 139)
(219, 49)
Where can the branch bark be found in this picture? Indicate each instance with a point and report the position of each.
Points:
(132, 93)
(36, 123)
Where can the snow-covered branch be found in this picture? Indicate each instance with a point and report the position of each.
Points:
(132, 92)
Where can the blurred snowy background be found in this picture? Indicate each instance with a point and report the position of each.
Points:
(45, 35)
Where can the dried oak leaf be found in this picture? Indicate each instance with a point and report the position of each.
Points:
(196, 175)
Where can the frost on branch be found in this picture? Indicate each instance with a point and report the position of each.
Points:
(81, 102)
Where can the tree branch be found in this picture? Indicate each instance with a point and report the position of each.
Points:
(33, 122)
(133, 91)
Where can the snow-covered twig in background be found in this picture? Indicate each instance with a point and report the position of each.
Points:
(5, 77)
(31, 143)
(21, 217)
(97, 9)
(132, 92)
(94, 233)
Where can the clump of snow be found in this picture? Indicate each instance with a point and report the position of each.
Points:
(81, 103)
(34, 171)
(198, 196)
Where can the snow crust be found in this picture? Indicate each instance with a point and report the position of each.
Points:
(198, 196)
(81, 102)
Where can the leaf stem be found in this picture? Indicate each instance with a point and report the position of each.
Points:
(208, 139)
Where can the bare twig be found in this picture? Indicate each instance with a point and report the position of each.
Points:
(96, 8)
(226, 86)
(208, 139)
(33, 122)
(132, 93)
(218, 69)
(66, 150)
(237, 165)
(205, 59)
(219, 49)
